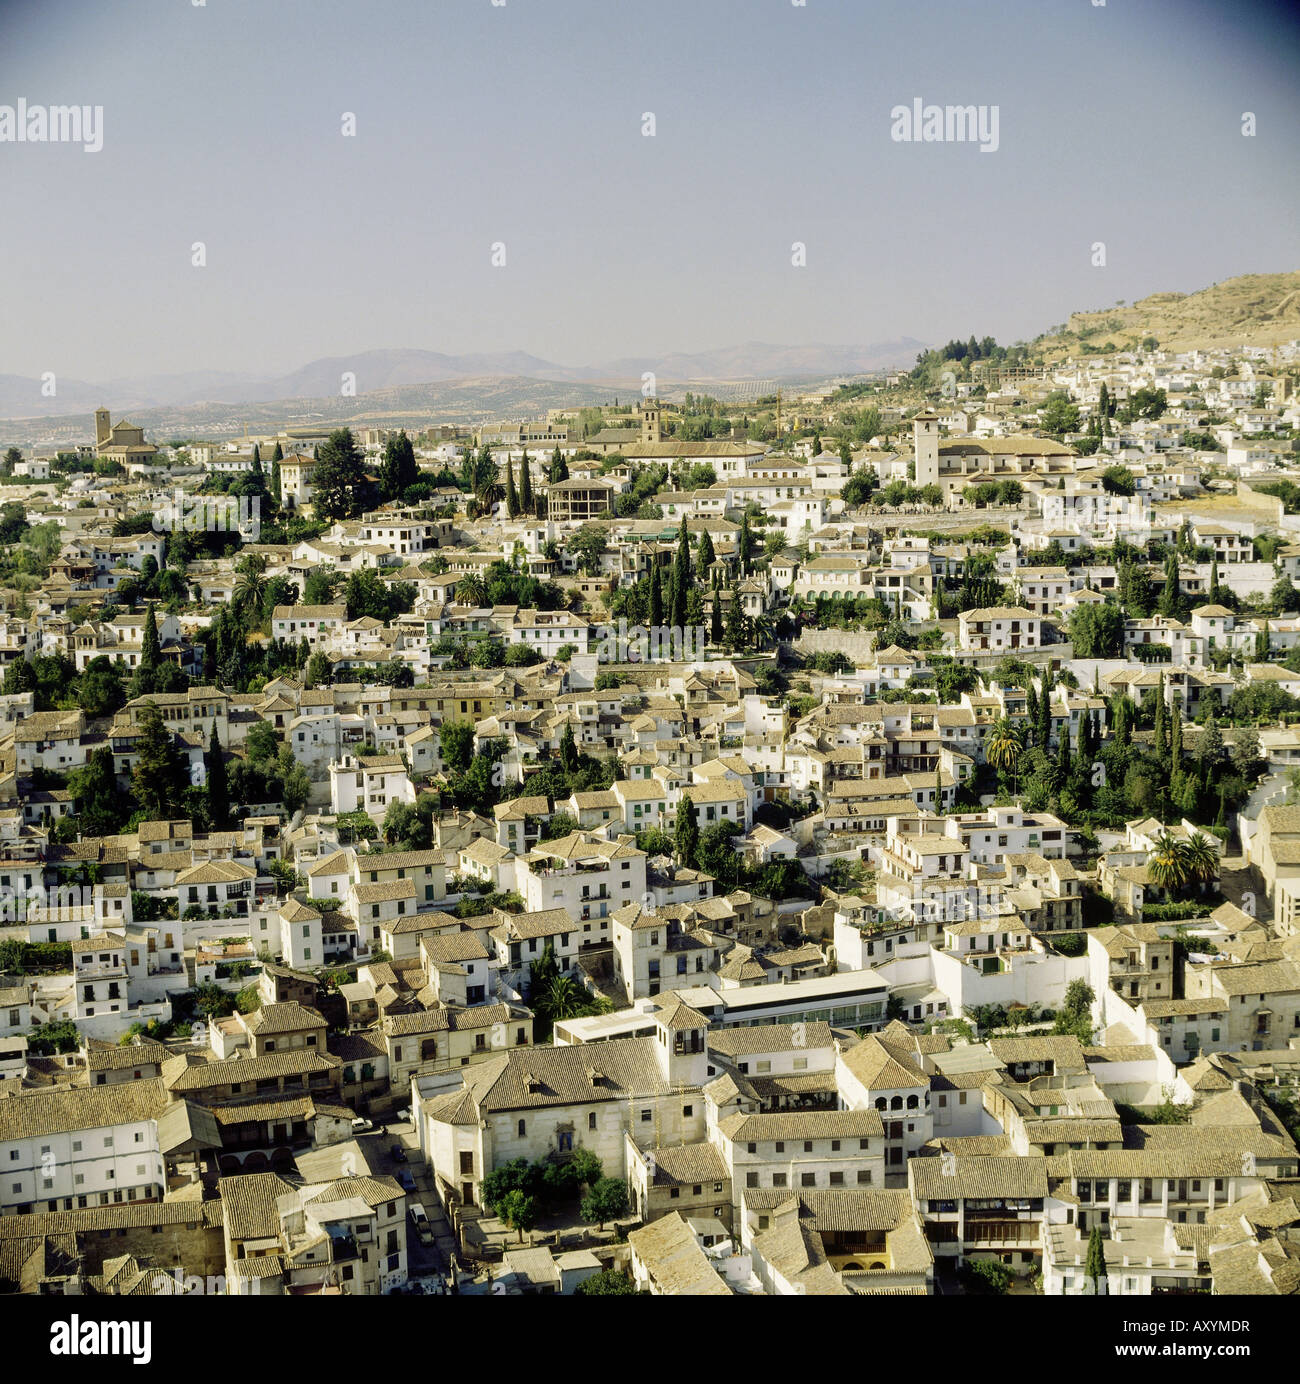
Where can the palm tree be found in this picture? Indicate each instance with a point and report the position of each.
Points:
(1004, 745)
(478, 470)
(764, 631)
(564, 999)
(1202, 859)
(1169, 865)
(489, 493)
(471, 590)
(250, 585)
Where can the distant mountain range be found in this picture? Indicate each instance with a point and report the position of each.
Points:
(412, 387)
(377, 371)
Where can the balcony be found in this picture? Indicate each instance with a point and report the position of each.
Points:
(1001, 1234)
(343, 1248)
(101, 969)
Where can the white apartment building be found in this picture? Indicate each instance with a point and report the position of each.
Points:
(1000, 629)
(77, 1147)
(584, 874)
(369, 785)
(319, 625)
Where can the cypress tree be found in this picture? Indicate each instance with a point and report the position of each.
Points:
(656, 598)
(1160, 746)
(156, 777)
(398, 468)
(705, 557)
(218, 786)
(686, 834)
(278, 454)
(1211, 744)
(1063, 758)
(150, 647)
(715, 616)
(1095, 1264)
(559, 467)
(681, 578)
(1214, 580)
(257, 460)
(735, 622)
(526, 486)
(568, 749)
(1176, 735)
(1031, 709)
(1045, 713)
(744, 544)
(277, 491)
(512, 497)
(1169, 596)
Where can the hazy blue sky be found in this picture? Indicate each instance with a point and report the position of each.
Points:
(522, 123)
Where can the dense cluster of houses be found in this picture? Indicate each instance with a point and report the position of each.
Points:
(826, 1053)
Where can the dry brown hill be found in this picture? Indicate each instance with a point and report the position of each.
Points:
(1252, 310)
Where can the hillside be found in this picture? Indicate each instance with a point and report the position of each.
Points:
(1252, 310)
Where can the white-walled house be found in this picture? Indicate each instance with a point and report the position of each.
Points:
(78, 1147)
(586, 875)
(369, 785)
(534, 1102)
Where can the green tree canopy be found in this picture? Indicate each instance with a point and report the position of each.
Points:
(338, 478)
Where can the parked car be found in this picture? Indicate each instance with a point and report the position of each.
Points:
(421, 1223)
(361, 1125)
(405, 1179)
(399, 1153)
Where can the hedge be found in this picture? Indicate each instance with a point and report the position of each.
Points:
(1175, 912)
